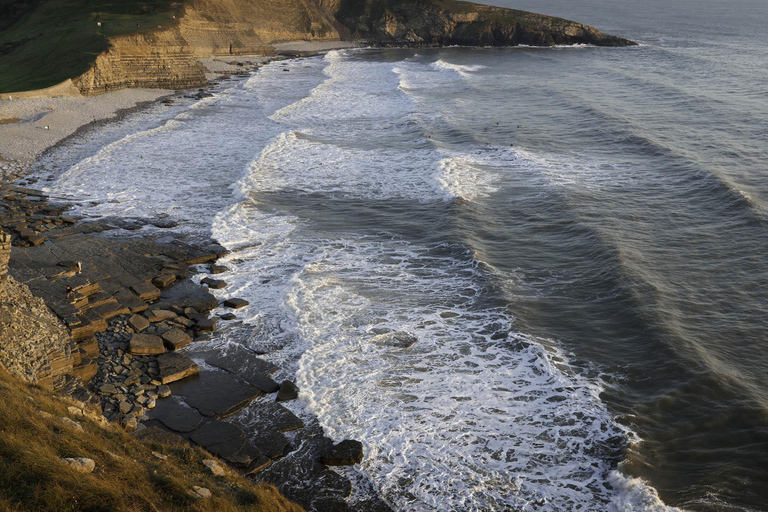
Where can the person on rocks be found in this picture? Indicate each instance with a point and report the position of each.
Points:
(79, 267)
(70, 292)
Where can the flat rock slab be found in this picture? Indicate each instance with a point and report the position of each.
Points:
(238, 360)
(156, 435)
(176, 339)
(146, 345)
(346, 453)
(146, 291)
(159, 315)
(272, 444)
(235, 303)
(271, 416)
(226, 441)
(176, 416)
(216, 393)
(188, 294)
(174, 367)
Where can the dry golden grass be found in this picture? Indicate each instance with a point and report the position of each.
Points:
(128, 477)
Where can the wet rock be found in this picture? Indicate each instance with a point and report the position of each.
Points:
(288, 391)
(176, 339)
(138, 323)
(218, 269)
(174, 367)
(176, 416)
(146, 344)
(80, 464)
(217, 393)
(275, 417)
(228, 316)
(225, 441)
(215, 284)
(235, 303)
(346, 453)
(188, 294)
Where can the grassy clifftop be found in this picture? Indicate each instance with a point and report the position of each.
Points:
(38, 430)
(60, 39)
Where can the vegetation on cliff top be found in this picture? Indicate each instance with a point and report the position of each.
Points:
(60, 39)
(128, 476)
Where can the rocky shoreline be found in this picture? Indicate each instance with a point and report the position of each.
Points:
(138, 348)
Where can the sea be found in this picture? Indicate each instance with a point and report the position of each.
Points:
(527, 279)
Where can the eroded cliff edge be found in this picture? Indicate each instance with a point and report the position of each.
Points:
(445, 22)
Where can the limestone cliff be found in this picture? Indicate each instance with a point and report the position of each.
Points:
(34, 344)
(168, 57)
(446, 22)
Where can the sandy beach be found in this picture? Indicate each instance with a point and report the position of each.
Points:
(29, 126)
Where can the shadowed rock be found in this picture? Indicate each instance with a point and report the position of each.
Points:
(346, 453)
(217, 393)
(288, 391)
(156, 435)
(176, 416)
(176, 339)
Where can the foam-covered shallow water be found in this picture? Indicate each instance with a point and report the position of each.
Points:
(525, 279)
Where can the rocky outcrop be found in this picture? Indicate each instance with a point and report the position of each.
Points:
(444, 22)
(34, 344)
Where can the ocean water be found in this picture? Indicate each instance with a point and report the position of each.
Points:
(526, 279)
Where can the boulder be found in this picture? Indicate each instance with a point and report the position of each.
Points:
(235, 303)
(215, 284)
(176, 339)
(72, 424)
(200, 492)
(163, 391)
(138, 323)
(174, 366)
(346, 453)
(288, 391)
(80, 464)
(214, 467)
(146, 345)
(159, 315)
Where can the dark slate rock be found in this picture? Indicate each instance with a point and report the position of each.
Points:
(235, 303)
(187, 294)
(272, 444)
(217, 393)
(288, 391)
(176, 416)
(219, 269)
(346, 453)
(238, 360)
(273, 416)
(216, 284)
(228, 316)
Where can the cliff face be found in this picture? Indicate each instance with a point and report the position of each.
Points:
(446, 22)
(168, 57)
(34, 344)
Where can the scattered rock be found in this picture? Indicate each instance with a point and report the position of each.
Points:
(163, 391)
(176, 339)
(288, 391)
(174, 366)
(214, 467)
(138, 323)
(200, 492)
(146, 344)
(72, 424)
(124, 407)
(159, 315)
(218, 269)
(160, 455)
(80, 464)
(346, 453)
(130, 423)
(235, 303)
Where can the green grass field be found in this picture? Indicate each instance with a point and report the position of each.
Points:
(60, 39)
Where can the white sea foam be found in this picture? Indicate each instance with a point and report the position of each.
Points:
(459, 68)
